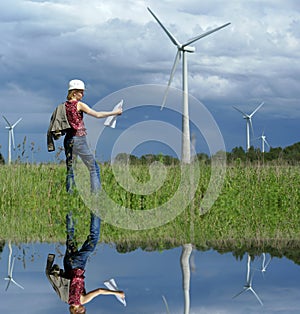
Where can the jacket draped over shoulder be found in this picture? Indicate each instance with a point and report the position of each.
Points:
(60, 284)
(58, 126)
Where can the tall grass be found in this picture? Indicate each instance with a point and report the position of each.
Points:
(257, 204)
(33, 202)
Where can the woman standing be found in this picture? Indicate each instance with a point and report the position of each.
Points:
(75, 142)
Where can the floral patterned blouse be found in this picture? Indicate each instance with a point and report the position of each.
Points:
(75, 118)
(77, 287)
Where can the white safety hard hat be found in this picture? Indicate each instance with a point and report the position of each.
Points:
(76, 84)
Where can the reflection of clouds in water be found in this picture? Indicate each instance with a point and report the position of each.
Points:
(146, 276)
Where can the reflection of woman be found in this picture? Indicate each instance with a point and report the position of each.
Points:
(74, 265)
(75, 142)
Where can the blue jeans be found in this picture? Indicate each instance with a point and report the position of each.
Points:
(77, 145)
(75, 258)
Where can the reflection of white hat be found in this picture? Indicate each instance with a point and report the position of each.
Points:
(76, 84)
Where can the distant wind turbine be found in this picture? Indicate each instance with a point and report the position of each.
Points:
(11, 138)
(181, 51)
(9, 277)
(265, 263)
(263, 142)
(249, 125)
(248, 285)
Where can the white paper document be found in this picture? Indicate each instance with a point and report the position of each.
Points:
(111, 285)
(111, 120)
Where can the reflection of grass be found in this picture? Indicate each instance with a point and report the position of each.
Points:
(257, 205)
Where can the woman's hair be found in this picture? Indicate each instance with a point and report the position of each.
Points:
(76, 310)
(71, 93)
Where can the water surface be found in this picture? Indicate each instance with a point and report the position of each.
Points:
(154, 280)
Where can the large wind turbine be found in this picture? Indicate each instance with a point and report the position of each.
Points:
(181, 52)
(11, 138)
(249, 125)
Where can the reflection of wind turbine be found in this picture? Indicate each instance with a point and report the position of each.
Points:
(11, 138)
(248, 118)
(10, 269)
(166, 304)
(192, 262)
(186, 274)
(181, 51)
(248, 285)
(264, 264)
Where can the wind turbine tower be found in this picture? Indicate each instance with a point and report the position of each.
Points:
(11, 138)
(249, 125)
(182, 49)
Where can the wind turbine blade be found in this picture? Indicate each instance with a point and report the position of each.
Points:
(256, 109)
(177, 57)
(240, 111)
(245, 289)
(266, 142)
(204, 34)
(18, 285)
(9, 280)
(166, 304)
(257, 297)
(170, 35)
(16, 123)
(7, 122)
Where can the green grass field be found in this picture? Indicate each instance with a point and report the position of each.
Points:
(258, 206)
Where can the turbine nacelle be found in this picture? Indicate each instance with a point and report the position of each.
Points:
(187, 49)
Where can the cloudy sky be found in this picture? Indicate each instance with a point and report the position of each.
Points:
(113, 45)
